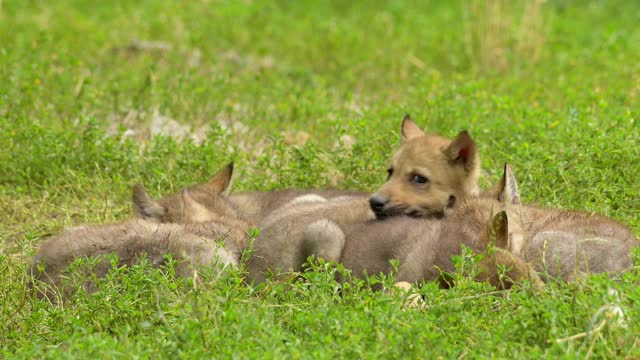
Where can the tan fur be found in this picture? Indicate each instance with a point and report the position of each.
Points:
(255, 206)
(314, 238)
(560, 244)
(451, 167)
(564, 244)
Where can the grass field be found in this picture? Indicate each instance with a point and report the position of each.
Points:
(275, 86)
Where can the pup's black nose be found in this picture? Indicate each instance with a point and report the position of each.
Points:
(377, 203)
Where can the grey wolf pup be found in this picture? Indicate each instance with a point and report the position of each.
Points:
(252, 207)
(424, 247)
(205, 238)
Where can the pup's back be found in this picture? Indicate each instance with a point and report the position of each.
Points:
(281, 245)
(215, 196)
(255, 206)
(209, 233)
(566, 244)
(130, 241)
(424, 247)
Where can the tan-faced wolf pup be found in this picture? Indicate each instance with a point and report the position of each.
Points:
(424, 246)
(428, 175)
(563, 244)
(251, 207)
(205, 238)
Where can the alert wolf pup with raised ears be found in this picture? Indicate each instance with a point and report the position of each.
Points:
(428, 174)
(560, 244)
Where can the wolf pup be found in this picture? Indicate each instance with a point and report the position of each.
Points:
(428, 174)
(210, 196)
(251, 207)
(558, 244)
(565, 245)
(205, 239)
(423, 246)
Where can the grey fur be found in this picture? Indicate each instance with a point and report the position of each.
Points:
(423, 246)
(251, 207)
(193, 246)
(209, 233)
(281, 246)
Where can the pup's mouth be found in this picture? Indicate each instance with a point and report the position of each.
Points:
(424, 213)
(388, 212)
(413, 212)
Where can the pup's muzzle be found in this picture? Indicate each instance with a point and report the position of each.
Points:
(377, 203)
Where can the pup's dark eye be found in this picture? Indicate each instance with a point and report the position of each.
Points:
(419, 179)
(390, 172)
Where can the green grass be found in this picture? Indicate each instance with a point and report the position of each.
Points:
(69, 89)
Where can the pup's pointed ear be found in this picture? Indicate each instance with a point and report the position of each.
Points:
(508, 188)
(221, 182)
(191, 209)
(500, 229)
(463, 150)
(409, 129)
(143, 205)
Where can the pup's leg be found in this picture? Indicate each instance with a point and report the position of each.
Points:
(517, 270)
(305, 199)
(323, 239)
(413, 300)
(346, 211)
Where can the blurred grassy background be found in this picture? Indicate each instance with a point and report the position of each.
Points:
(93, 96)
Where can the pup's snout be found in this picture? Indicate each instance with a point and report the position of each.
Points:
(377, 203)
